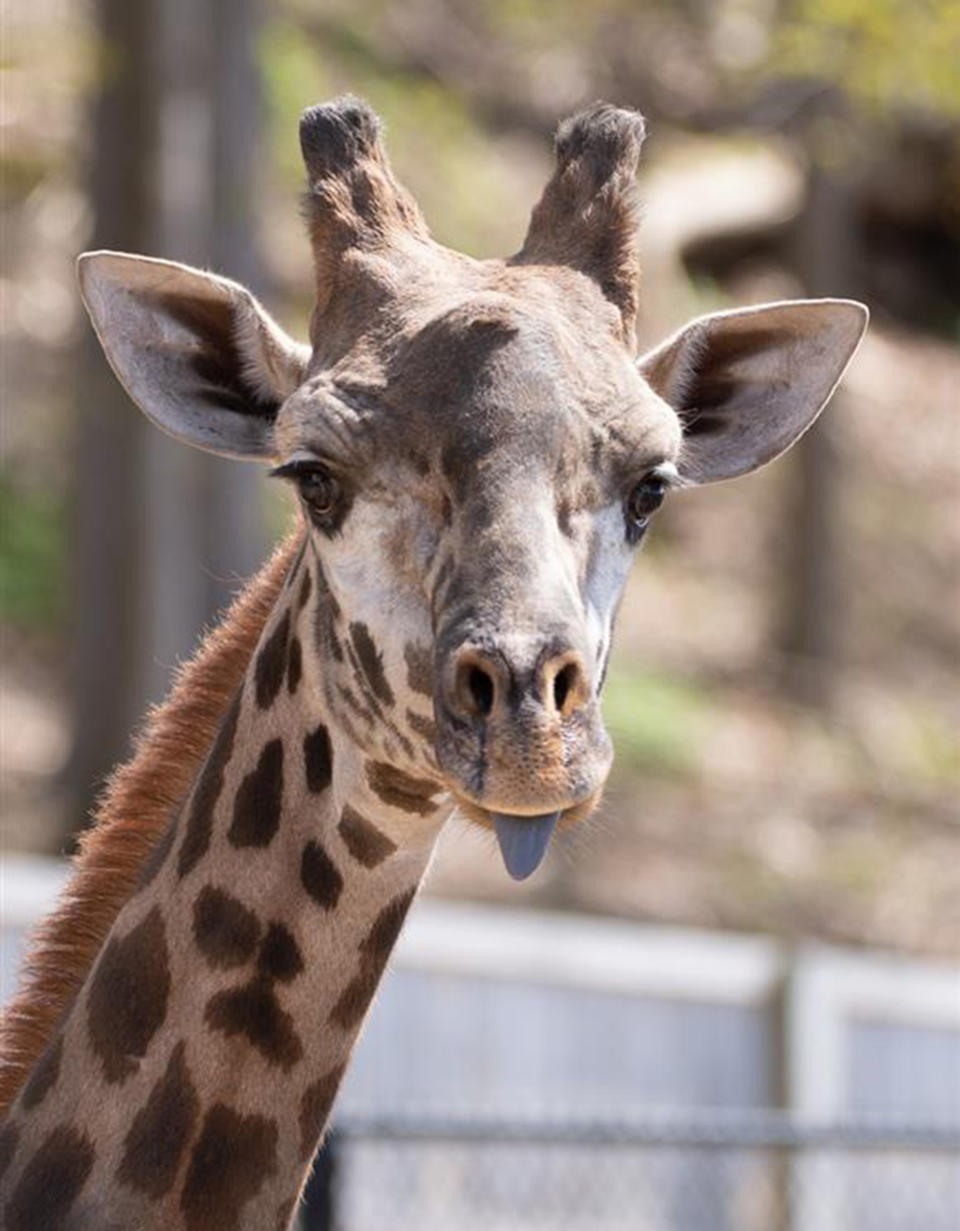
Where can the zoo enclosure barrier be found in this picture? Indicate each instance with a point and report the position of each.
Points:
(501, 1014)
(710, 1171)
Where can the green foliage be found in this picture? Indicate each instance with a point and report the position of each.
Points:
(934, 747)
(656, 721)
(460, 175)
(31, 556)
(292, 76)
(20, 173)
(885, 52)
(540, 21)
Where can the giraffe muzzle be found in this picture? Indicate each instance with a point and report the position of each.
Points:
(522, 758)
(520, 734)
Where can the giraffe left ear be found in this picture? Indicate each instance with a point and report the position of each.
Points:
(746, 384)
(197, 353)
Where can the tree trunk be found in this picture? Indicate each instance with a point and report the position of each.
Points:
(105, 523)
(162, 534)
(204, 528)
(813, 632)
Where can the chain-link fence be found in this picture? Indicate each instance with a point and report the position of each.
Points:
(706, 1173)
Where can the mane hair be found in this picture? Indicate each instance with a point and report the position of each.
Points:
(130, 819)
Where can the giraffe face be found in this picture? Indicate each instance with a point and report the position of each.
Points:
(472, 493)
(477, 450)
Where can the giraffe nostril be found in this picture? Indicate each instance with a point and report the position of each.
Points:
(477, 684)
(481, 689)
(563, 683)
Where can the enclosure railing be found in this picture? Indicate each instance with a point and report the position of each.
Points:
(493, 1010)
(710, 1171)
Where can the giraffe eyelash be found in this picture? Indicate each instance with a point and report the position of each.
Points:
(298, 466)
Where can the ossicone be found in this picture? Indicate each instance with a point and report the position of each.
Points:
(589, 213)
(353, 202)
(604, 141)
(336, 136)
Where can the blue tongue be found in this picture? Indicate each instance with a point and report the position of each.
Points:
(523, 840)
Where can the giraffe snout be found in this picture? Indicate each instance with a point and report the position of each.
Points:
(519, 727)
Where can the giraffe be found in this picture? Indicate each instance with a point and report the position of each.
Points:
(476, 452)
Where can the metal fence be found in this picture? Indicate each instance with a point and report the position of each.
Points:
(716, 1172)
(494, 1011)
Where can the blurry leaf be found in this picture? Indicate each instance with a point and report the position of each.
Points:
(20, 173)
(889, 53)
(31, 556)
(656, 721)
(293, 78)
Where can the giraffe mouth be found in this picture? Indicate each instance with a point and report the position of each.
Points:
(523, 838)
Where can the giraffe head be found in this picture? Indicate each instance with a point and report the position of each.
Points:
(477, 448)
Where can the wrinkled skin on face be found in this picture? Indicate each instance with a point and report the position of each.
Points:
(477, 448)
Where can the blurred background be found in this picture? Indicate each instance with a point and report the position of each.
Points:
(776, 864)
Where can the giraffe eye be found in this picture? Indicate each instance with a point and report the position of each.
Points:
(320, 491)
(643, 501)
(318, 488)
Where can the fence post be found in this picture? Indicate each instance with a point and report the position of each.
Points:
(814, 1037)
(783, 1161)
(318, 1211)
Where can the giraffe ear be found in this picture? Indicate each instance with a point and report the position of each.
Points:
(746, 384)
(197, 353)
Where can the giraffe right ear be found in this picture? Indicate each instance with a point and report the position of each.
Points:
(197, 353)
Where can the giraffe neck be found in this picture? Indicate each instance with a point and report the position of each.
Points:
(190, 1083)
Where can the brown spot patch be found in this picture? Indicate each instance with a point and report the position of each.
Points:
(128, 997)
(284, 1214)
(51, 1182)
(320, 877)
(233, 1157)
(382, 936)
(565, 518)
(426, 728)
(207, 792)
(405, 744)
(318, 759)
(254, 1012)
(356, 996)
(9, 1137)
(294, 665)
(374, 950)
(225, 931)
(256, 809)
(306, 585)
(315, 1105)
(161, 1130)
(419, 668)
(368, 697)
(356, 705)
(327, 612)
(271, 663)
(280, 957)
(44, 1075)
(371, 662)
(401, 790)
(362, 838)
